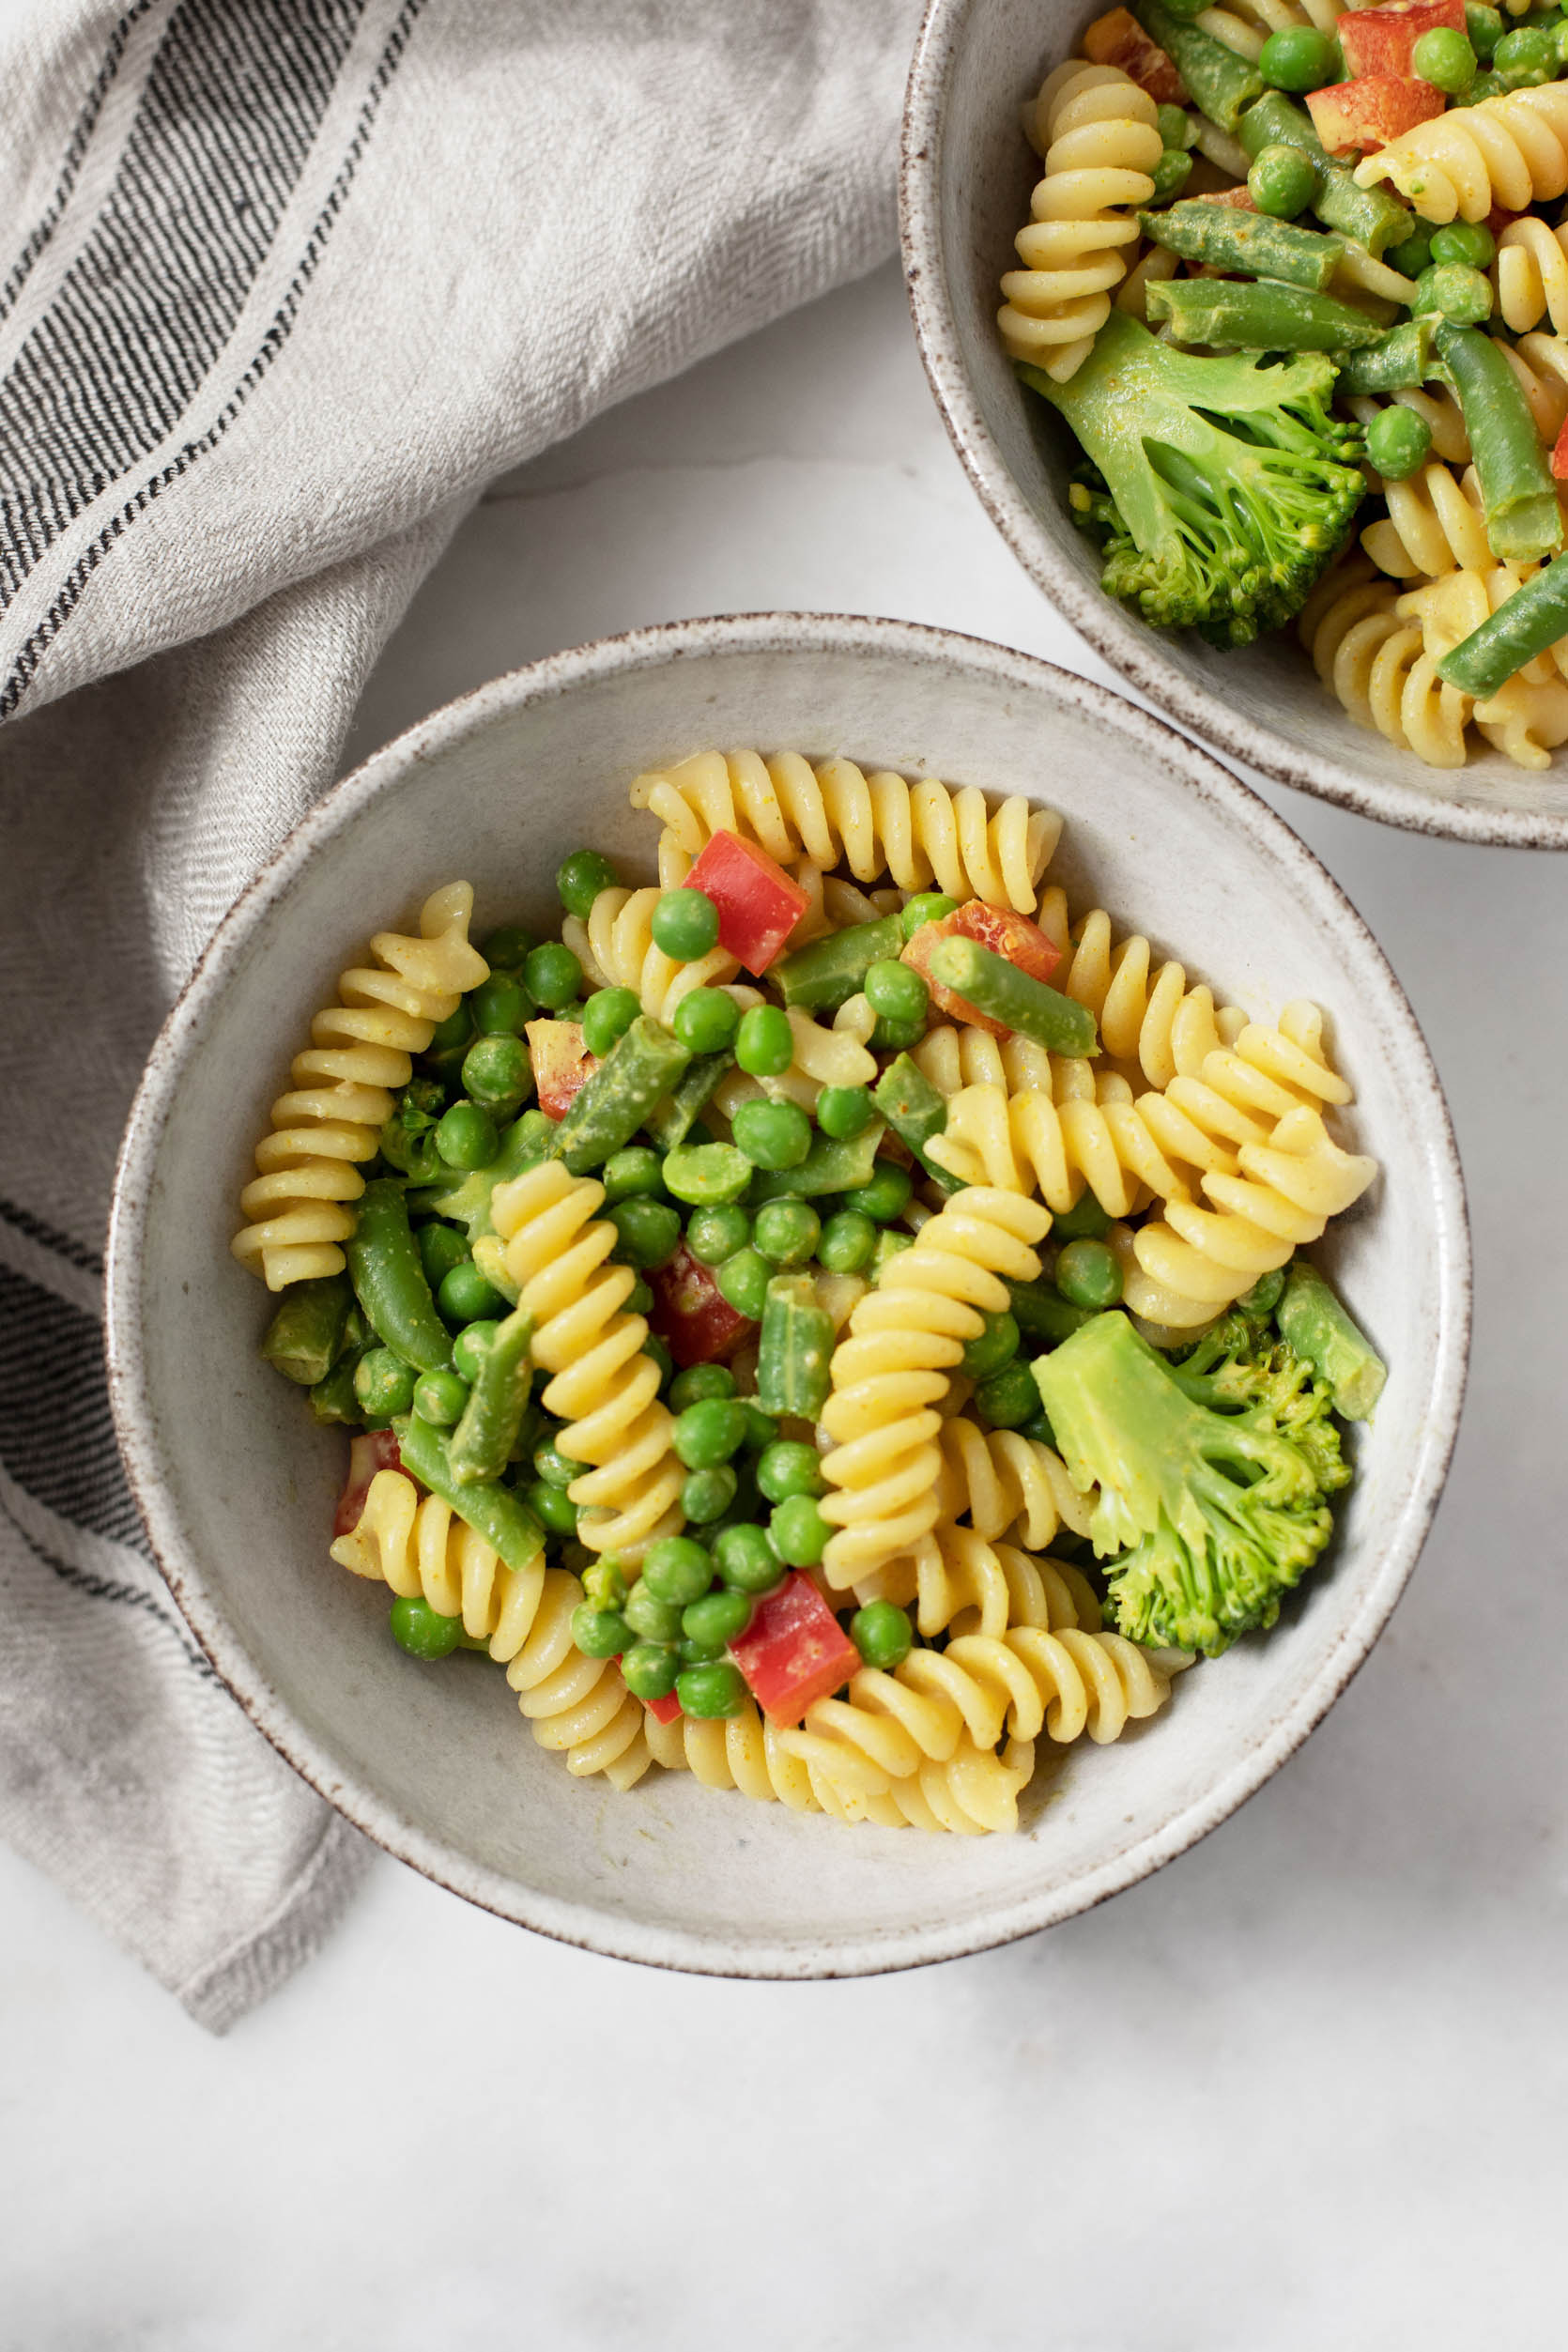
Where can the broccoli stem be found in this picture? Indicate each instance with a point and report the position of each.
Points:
(1313, 1323)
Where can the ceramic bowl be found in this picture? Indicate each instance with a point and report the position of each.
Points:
(236, 1483)
(965, 181)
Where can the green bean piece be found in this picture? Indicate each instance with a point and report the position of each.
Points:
(1171, 173)
(333, 1399)
(1236, 314)
(670, 1121)
(827, 974)
(706, 1175)
(1374, 217)
(1221, 82)
(930, 906)
(916, 1110)
(606, 1113)
(305, 1337)
(494, 1512)
(1523, 520)
(831, 1165)
(1523, 625)
(1250, 243)
(1312, 1321)
(389, 1279)
(1086, 1221)
(1042, 1313)
(998, 988)
(483, 1440)
(795, 1349)
(888, 1246)
(1399, 360)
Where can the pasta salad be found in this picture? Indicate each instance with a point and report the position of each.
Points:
(1294, 279)
(827, 1321)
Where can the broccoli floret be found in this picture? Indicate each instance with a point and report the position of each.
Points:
(1212, 1474)
(1228, 485)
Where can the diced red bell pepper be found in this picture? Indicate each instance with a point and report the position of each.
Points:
(1117, 39)
(695, 1321)
(1383, 41)
(371, 1450)
(664, 1710)
(1560, 455)
(561, 1066)
(795, 1651)
(998, 928)
(759, 903)
(1369, 111)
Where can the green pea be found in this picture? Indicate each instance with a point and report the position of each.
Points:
(684, 924)
(655, 1350)
(1299, 58)
(552, 974)
(649, 1671)
(930, 906)
(632, 1174)
(698, 1382)
(1282, 181)
(640, 1299)
(708, 1693)
(789, 1467)
(422, 1631)
(649, 1232)
(707, 1495)
(894, 991)
(1411, 256)
(599, 1633)
(718, 1617)
(500, 1006)
(384, 1384)
(1528, 57)
(1470, 243)
(1089, 1274)
(897, 1036)
(786, 1232)
(555, 1511)
(650, 1619)
(1445, 58)
(709, 1431)
(1397, 442)
(1085, 1220)
(887, 1196)
(472, 1345)
(761, 1428)
(1485, 27)
(677, 1570)
(1451, 291)
(716, 1233)
(466, 1296)
(996, 1346)
(773, 1134)
(844, 1112)
(439, 1399)
(698, 1652)
(506, 949)
(1010, 1399)
(1176, 130)
(1042, 1433)
(453, 1033)
(706, 1175)
(555, 1467)
(607, 1015)
(746, 1560)
(579, 879)
(498, 1074)
(440, 1248)
(847, 1241)
(882, 1634)
(743, 1282)
(764, 1043)
(706, 1021)
(799, 1531)
(465, 1136)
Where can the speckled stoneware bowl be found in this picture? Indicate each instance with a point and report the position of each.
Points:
(236, 1485)
(966, 177)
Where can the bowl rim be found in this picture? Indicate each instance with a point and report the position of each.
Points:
(136, 1423)
(1133, 649)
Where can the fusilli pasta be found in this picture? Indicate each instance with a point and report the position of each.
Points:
(616, 949)
(743, 1751)
(1508, 153)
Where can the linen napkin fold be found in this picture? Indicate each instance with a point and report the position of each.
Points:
(286, 282)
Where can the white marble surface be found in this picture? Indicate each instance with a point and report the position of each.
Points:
(1302, 2090)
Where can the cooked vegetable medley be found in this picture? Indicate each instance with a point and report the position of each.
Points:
(825, 1321)
(1278, 328)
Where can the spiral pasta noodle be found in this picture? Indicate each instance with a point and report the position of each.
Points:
(743, 1751)
(927, 835)
(1529, 275)
(1435, 524)
(1008, 1485)
(616, 948)
(1155, 1023)
(297, 1209)
(1379, 669)
(1103, 143)
(1027, 1143)
(603, 1385)
(1244, 25)
(1507, 153)
(904, 1339)
(576, 1707)
(822, 1057)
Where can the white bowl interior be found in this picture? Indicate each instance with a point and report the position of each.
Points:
(237, 1483)
(968, 173)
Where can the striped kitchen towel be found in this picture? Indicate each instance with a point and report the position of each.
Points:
(286, 282)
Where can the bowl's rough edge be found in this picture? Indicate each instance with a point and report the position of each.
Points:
(135, 1423)
(1131, 648)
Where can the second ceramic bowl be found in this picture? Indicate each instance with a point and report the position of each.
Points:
(965, 181)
